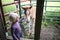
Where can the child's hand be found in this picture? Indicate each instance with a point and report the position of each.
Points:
(17, 38)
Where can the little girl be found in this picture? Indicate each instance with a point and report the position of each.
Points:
(15, 27)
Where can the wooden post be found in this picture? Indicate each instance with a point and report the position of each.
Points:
(3, 15)
(2, 25)
(39, 12)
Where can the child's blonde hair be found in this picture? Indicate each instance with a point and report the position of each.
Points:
(13, 17)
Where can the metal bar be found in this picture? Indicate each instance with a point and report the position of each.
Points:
(28, 4)
(2, 14)
(10, 3)
(52, 6)
(39, 12)
(45, 9)
(6, 14)
(2, 22)
(52, 0)
(20, 8)
(53, 11)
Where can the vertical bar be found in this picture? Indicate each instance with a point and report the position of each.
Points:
(2, 23)
(3, 14)
(2, 31)
(45, 9)
(20, 8)
(39, 12)
(2, 11)
(30, 2)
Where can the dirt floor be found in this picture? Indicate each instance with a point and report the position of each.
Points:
(50, 33)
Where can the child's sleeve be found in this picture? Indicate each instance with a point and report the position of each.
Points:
(20, 20)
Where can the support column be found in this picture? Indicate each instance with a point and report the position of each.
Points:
(38, 21)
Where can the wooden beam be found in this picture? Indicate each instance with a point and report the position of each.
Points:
(39, 12)
(10, 3)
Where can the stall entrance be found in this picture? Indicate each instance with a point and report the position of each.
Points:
(24, 8)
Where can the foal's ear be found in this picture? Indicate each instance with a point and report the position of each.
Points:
(30, 7)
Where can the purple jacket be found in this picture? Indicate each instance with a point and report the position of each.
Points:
(16, 30)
